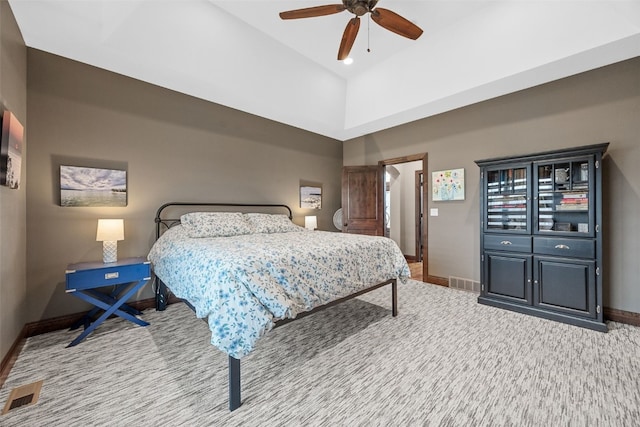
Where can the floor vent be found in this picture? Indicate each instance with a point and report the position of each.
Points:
(23, 396)
(21, 401)
(464, 284)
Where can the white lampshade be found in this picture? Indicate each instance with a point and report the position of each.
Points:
(311, 222)
(109, 232)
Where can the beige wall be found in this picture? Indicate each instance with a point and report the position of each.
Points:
(597, 106)
(174, 147)
(13, 96)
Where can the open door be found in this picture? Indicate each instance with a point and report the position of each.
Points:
(362, 203)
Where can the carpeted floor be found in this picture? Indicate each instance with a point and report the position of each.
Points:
(445, 360)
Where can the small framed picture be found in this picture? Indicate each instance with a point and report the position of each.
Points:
(310, 197)
(563, 226)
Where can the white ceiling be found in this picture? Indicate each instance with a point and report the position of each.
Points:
(241, 54)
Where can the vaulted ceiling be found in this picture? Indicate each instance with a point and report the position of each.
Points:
(241, 54)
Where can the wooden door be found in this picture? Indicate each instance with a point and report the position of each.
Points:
(362, 203)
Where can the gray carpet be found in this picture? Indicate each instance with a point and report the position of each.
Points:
(445, 360)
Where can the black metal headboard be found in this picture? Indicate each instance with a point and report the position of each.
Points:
(185, 207)
(170, 222)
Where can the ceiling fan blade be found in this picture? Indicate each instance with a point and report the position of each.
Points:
(396, 23)
(348, 37)
(311, 12)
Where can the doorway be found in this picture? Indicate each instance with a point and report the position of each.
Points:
(419, 211)
(405, 196)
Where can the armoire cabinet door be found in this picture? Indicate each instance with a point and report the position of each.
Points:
(565, 197)
(507, 199)
(508, 276)
(565, 285)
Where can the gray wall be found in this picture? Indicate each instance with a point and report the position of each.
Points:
(13, 96)
(174, 147)
(598, 106)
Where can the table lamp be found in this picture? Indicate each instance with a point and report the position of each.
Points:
(109, 232)
(311, 222)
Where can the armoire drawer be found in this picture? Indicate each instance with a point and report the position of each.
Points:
(573, 248)
(507, 243)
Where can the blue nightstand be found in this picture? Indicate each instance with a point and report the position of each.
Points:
(127, 276)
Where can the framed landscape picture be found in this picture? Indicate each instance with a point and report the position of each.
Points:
(310, 197)
(91, 187)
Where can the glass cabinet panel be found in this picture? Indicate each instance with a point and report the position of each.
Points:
(563, 197)
(507, 203)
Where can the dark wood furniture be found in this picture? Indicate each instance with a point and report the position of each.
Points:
(162, 292)
(541, 234)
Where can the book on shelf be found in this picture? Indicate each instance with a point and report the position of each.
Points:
(494, 209)
(572, 207)
(503, 204)
(575, 201)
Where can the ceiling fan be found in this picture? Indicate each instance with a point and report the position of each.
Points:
(383, 17)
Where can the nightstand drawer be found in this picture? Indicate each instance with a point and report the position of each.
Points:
(108, 275)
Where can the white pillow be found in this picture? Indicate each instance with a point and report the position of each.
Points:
(268, 223)
(215, 224)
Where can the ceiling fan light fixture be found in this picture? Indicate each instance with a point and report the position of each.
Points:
(347, 61)
(383, 17)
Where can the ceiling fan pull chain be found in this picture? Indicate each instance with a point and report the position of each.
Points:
(368, 32)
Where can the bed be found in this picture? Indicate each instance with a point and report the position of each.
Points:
(247, 269)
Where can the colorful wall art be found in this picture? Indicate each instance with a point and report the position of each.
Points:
(447, 185)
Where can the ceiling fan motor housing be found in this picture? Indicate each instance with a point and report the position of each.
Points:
(359, 7)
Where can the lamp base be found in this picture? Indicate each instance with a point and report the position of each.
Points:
(109, 251)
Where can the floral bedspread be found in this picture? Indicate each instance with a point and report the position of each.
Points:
(243, 284)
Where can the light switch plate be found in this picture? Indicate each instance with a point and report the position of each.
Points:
(434, 212)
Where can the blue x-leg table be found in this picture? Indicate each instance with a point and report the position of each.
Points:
(127, 277)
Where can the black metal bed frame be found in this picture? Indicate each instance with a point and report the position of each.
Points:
(161, 290)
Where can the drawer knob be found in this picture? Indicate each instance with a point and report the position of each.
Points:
(505, 242)
(562, 247)
(113, 275)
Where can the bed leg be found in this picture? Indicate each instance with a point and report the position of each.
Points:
(394, 297)
(234, 383)
(161, 295)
